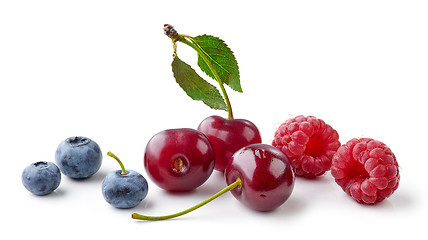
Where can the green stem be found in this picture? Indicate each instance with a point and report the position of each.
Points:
(193, 44)
(236, 184)
(124, 172)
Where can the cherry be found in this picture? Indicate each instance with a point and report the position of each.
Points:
(227, 136)
(266, 174)
(179, 159)
(260, 176)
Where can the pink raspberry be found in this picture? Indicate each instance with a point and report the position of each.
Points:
(366, 170)
(309, 143)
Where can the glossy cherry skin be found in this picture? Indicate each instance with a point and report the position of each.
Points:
(266, 174)
(179, 159)
(228, 136)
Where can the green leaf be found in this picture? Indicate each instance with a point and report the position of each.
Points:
(222, 60)
(195, 86)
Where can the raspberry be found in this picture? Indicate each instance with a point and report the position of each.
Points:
(309, 143)
(366, 169)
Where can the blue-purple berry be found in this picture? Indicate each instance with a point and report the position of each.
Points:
(78, 157)
(41, 178)
(124, 190)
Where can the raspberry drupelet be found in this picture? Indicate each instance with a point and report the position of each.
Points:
(366, 169)
(309, 143)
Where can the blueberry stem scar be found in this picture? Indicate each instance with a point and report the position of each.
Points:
(236, 184)
(124, 172)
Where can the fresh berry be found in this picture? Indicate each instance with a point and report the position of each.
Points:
(78, 157)
(366, 169)
(266, 174)
(228, 136)
(124, 188)
(41, 178)
(179, 159)
(309, 143)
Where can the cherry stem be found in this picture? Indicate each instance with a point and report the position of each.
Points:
(124, 172)
(236, 184)
(193, 44)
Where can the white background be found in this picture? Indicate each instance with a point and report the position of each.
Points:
(101, 69)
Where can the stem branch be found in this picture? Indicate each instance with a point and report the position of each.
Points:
(236, 184)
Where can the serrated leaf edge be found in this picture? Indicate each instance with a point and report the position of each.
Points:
(237, 88)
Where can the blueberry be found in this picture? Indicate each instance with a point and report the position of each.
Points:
(78, 157)
(124, 190)
(41, 178)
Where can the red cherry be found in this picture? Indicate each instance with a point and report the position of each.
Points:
(228, 136)
(266, 174)
(179, 159)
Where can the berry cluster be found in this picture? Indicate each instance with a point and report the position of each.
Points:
(76, 157)
(365, 169)
(260, 176)
(80, 158)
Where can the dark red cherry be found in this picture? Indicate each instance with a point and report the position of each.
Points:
(266, 175)
(228, 136)
(179, 159)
